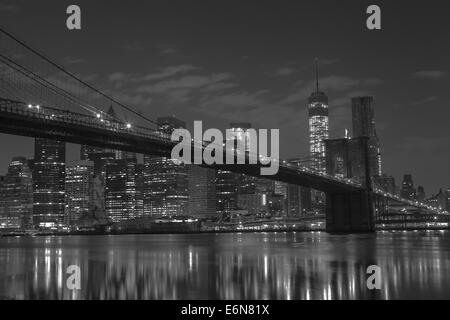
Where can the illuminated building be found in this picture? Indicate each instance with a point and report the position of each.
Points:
(242, 136)
(420, 193)
(87, 151)
(408, 191)
(318, 126)
(256, 204)
(386, 183)
(49, 184)
(102, 157)
(277, 205)
(318, 132)
(165, 190)
(3, 220)
(363, 119)
(438, 201)
(16, 196)
(447, 194)
(442, 200)
(280, 188)
(79, 183)
(228, 184)
(299, 201)
(279, 199)
(226, 192)
(202, 191)
(120, 192)
(140, 189)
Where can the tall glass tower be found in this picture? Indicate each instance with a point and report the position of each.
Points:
(16, 196)
(318, 126)
(49, 184)
(165, 186)
(363, 119)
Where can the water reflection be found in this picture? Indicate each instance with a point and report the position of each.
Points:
(227, 266)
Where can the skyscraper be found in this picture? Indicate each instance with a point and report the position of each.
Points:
(447, 194)
(421, 193)
(140, 189)
(240, 129)
(363, 120)
(229, 184)
(49, 184)
(79, 183)
(165, 189)
(108, 170)
(438, 201)
(318, 126)
(120, 193)
(299, 200)
(408, 191)
(202, 191)
(318, 132)
(16, 196)
(226, 192)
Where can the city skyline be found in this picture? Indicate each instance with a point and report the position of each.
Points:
(203, 79)
(331, 181)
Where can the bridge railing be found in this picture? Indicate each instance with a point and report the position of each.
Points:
(100, 122)
(412, 203)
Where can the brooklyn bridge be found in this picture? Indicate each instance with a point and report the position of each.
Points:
(41, 99)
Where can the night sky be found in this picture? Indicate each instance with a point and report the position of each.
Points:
(252, 61)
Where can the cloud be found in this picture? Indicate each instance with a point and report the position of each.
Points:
(429, 74)
(324, 62)
(372, 82)
(186, 82)
(169, 51)
(117, 76)
(72, 60)
(333, 83)
(425, 100)
(9, 8)
(133, 99)
(169, 72)
(284, 71)
(254, 106)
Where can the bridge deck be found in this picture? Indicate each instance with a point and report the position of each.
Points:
(19, 118)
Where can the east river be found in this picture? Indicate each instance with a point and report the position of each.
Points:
(308, 265)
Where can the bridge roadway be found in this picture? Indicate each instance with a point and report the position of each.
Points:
(19, 118)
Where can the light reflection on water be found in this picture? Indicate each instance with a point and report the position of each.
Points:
(227, 266)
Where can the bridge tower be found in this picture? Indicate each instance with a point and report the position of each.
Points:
(350, 211)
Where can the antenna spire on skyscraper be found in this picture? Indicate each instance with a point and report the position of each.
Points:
(317, 74)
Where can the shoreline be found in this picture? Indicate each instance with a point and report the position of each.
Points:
(211, 232)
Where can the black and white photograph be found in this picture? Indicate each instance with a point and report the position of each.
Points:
(224, 155)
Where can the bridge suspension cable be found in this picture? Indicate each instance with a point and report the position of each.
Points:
(74, 77)
(37, 78)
